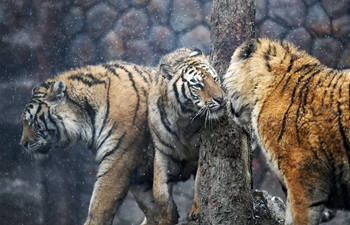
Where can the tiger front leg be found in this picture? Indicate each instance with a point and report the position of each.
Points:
(110, 189)
(162, 190)
(194, 213)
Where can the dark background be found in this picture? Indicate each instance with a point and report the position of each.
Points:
(40, 38)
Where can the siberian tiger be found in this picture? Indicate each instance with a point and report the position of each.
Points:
(104, 106)
(184, 96)
(299, 110)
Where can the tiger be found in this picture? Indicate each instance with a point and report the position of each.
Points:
(299, 112)
(106, 107)
(185, 95)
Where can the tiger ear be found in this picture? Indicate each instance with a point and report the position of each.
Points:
(35, 89)
(166, 71)
(196, 52)
(56, 92)
(248, 48)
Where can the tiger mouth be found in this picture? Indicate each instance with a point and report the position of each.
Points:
(216, 108)
(39, 150)
(211, 112)
(43, 150)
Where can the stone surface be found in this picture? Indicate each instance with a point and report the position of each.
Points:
(99, 19)
(139, 52)
(185, 14)
(84, 3)
(327, 50)
(261, 10)
(20, 201)
(344, 62)
(309, 2)
(317, 21)
(74, 21)
(132, 24)
(111, 47)
(341, 27)
(271, 29)
(199, 37)
(300, 37)
(206, 13)
(82, 51)
(139, 3)
(159, 11)
(120, 5)
(292, 17)
(336, 8)
(162, 39)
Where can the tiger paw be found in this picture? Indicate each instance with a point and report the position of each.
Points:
(327, 215)
(193, 216)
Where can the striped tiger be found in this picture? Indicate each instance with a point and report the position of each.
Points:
(104, 106)
(184, 96)
(299, 110)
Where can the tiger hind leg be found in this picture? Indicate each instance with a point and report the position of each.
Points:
(306, 197)
(144, 198)
(297, 214)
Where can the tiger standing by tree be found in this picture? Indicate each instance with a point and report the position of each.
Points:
(184, 97)
(299, 110)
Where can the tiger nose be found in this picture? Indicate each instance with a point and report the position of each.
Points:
(219, 100)
(25, 144)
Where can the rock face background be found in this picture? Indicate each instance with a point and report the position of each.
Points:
(40, 38)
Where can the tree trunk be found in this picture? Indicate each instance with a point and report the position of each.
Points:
(225, 155)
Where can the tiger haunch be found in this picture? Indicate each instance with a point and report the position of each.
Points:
(104, 106)
(185, 96)
(299, 111)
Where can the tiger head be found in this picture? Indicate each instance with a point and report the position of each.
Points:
(193, 83)
(43, 127)
(254, 66)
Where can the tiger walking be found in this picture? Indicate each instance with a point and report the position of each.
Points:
(104, 106)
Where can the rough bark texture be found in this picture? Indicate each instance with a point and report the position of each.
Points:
(225, 159)
(268, 210)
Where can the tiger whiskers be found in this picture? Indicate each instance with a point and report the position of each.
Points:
(27, 153)
(200, 113)
(208, 114)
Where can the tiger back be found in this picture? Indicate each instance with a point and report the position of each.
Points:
(104, 106)
(184, 96)
(299, 110)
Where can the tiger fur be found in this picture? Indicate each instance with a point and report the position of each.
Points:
(299, 110)
(184, 96)
(104, 106)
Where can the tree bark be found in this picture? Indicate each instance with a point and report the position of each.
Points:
(225, 155)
